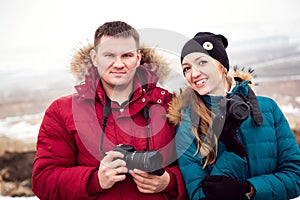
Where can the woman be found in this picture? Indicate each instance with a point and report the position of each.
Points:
(230, 143)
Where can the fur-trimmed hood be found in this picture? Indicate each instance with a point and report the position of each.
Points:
(81, 63)
(187, 97)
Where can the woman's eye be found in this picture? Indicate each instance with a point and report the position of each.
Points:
(186, 69)
(202, 62)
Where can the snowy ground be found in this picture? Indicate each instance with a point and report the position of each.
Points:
(21, 127)
(17, 198)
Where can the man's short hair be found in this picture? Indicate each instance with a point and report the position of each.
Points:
(116, 29)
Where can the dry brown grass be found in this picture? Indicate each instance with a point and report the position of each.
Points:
(15, 145)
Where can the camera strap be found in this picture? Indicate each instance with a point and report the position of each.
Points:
(246, 92)
(106, 113)
(146, 108)
(146, 115)
(255, 111)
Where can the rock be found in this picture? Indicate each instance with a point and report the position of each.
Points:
(15, 173)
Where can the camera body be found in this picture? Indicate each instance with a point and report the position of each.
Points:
(148, 161)
(236, 108)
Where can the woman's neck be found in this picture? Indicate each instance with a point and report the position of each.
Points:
(232, 85)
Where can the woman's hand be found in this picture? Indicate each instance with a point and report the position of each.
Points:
(222, 187)
(149, 183)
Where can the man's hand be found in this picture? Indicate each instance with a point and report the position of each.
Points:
(149, 183)
(111, 169)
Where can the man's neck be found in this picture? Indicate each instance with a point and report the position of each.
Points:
(118, 94)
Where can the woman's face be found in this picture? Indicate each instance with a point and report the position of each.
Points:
(204, 74)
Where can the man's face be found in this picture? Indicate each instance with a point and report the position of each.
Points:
(116, 60)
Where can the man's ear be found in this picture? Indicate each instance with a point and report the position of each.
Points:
(93, 55)
(139, 56)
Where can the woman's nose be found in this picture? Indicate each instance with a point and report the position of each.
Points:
(195, 71)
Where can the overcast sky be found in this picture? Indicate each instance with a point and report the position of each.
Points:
(37, 34)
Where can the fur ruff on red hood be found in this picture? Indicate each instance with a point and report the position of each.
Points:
(81, 63)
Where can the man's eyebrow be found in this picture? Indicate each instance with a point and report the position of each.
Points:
(107, 52)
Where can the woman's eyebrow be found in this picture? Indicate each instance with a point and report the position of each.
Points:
(199, 58)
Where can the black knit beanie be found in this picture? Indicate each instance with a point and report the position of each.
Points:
(210, 44)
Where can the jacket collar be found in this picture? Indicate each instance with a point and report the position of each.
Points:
(92, 89)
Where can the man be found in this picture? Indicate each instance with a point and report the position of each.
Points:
(78, 149)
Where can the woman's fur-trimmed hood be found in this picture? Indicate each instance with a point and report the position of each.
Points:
(81, 63)
(187, 97)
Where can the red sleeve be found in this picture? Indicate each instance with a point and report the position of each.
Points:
(93, 186)
(172, 186)
(176, 188)
(55, 174)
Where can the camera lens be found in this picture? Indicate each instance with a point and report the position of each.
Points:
(148, 161)
(239, 110)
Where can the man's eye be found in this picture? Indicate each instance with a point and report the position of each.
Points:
(108, 55)
(127, 55)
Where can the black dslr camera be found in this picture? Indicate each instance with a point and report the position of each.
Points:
(236, 108)
(148, 161)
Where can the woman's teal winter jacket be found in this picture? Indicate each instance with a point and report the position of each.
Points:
(272, 164)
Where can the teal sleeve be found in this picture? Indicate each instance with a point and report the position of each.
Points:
(231, 165)
(285, 182)
(190, 163)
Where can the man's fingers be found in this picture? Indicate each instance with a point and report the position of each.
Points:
(111, 155)
(144, 185)
(112, 160)
(141, 178)
(118, 178)
(117, 163)
(144, 190)
(121, 170)
(109, 176)
(141, 173)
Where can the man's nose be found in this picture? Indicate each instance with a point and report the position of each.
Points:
(119, 62)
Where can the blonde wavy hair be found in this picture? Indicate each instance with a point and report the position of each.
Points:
(201, 118)
(205, 125)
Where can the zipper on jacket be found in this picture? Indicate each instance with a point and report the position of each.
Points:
(247, 167)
